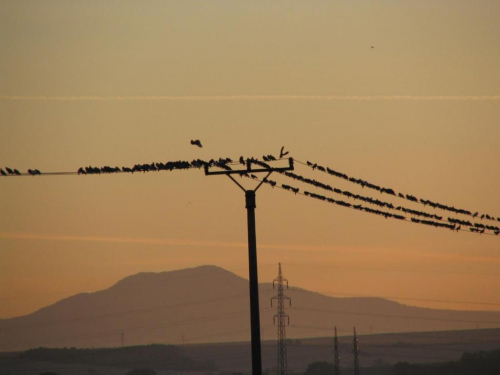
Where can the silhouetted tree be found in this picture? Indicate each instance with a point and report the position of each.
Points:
(141, 371)
(320, 368)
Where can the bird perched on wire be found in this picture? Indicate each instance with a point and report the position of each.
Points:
(196, 143)
(283, 153)
(9, 171)
(2, 172)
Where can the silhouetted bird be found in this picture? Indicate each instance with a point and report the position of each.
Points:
(9, 171)
(196, 143)
(482, 216)
(242, 160)
(475, 215)
(16, 172)
(283, 153)
(459, 227)
(253, 176)
(2, 172)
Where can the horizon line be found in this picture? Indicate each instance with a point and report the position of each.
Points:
(256, 98)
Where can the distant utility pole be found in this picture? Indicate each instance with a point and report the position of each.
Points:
(282, 360)
(356, 354)
(336, 353)
(252, 252)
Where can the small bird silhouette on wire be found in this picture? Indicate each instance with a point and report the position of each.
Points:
(2, 172)
(283, 153)
(196, 143)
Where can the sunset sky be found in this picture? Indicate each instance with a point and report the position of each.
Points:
(404, 94)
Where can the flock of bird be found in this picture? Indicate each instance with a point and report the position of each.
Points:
(382, 204)
(409, 197)
(370, 200)
(15, 172)
(225, 163)
(153, 167)
(454, 223)
(356, 207)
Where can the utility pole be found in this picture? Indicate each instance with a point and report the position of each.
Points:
(252, 246)
(282, 360)
(356, 354)
(336, 353)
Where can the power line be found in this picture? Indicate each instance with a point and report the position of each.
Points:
(134, 286)
(136, 329)
(389, 191)
(393, 269)
(437, 221)
(401, 298)
(366, 209)
(329, 311)
(123, 313)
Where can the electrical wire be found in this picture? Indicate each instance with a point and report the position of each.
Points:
(400, 298)
(330, 311)
(137, 328)
(360, 207)
(450, 223)
(410, 197)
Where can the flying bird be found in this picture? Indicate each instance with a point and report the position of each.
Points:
(196, 143)
(283, 153)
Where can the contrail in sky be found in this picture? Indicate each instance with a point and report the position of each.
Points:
(216, 98)
(232, 245)
(161, 241)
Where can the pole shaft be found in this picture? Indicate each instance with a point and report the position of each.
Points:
(254, 284)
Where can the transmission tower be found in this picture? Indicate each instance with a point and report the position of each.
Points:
(281, 316)
(356, 354)
(336, 353)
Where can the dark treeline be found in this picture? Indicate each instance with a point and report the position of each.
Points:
(479, 363)
(160, 357)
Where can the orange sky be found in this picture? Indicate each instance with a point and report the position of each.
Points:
(105, 83)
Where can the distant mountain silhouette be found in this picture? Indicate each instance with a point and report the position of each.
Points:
(210, 304)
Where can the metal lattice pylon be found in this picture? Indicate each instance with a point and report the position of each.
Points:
(356, 353)
(281, 316)
(336, 353)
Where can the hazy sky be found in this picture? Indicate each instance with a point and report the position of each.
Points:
(105, 83)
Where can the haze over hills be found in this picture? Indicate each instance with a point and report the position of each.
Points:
(210, 304)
